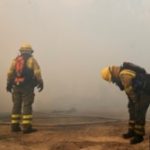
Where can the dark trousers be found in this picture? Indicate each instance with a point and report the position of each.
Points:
(137, 113)
(23, 98)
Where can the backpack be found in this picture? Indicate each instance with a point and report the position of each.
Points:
(22, 73)
(146, 83)
(141, 82)
(133, 67)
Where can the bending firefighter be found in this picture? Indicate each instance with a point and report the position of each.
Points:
(23, 76)
(126, 78)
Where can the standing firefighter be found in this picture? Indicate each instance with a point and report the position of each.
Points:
(23, 76)
(126, 78)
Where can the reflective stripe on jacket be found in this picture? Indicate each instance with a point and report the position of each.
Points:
(126, 77)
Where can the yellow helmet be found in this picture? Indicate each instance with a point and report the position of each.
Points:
(106, 74)
(25, 48)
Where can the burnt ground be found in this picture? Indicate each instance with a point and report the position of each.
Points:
(71, 133)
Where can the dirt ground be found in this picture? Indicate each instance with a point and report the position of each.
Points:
(71, 135)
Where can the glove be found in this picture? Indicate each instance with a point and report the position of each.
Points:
(9, 87)
(40, 85)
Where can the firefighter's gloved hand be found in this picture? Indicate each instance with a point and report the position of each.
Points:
(9, 87)
(40, 85)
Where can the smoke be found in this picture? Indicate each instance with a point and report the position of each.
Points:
(73, 40)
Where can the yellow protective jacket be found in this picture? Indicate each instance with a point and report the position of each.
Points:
(125, 76)
(31, 64)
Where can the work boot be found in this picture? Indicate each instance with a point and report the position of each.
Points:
(128, 135)
(15, 127)
(29, 129)
(136, 139)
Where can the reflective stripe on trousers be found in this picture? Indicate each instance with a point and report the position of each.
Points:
(131, 125)
(139, 129)
(15, 118)
(26, 119)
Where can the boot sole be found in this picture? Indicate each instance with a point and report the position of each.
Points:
(136, 142)
(28, 132)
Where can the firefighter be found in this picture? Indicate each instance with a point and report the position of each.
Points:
(138, 102)
(23, 76)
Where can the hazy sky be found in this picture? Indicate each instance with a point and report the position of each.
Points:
(73, 40)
